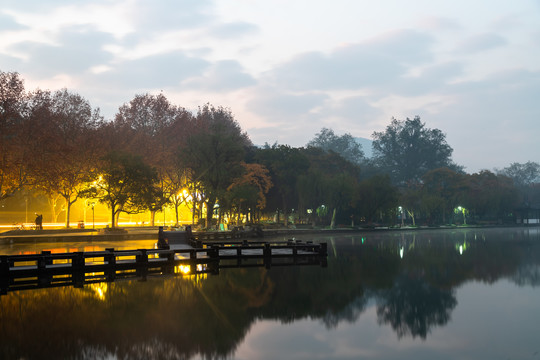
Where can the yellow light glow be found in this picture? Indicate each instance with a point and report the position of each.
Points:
(184, 269)
(100, 290)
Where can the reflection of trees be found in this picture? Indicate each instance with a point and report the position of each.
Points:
(180, 317)
(412, 306)
(528, 274)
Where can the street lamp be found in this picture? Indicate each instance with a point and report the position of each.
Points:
(93, 219)
(463, 210)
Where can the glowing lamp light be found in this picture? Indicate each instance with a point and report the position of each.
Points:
(184, 269)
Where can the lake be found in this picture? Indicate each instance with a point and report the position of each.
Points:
(426, 294)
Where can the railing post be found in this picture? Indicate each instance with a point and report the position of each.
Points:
(44, 260)
(110, 257)
(77, 265)
(142, 258)
(323, 249)
(267, 251)
(77, 262)
(4, 264)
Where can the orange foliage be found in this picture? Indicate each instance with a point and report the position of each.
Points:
(256, 175)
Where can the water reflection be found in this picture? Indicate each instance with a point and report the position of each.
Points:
(413, 292)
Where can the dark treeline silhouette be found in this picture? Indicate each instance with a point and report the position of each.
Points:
(155, 154)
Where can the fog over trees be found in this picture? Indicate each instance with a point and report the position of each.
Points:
(155, 154)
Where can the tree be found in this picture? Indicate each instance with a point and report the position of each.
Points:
(443, 189)
(331, 180)
(490, 196)
(376, 198)
(344, 145)
(157, 128)
(64, 144)
(13, 173)
(126, 184)
(526, 178)
(286, 164)
(523, 174)
(250, 188)
(407, 150)
(213, 152)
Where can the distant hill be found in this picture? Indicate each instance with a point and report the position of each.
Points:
(366, 146)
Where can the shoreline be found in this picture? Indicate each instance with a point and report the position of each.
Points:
(89, 235)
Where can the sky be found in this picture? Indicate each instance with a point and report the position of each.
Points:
(287, 68)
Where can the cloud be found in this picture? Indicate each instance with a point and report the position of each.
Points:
(227, 75)
(493, 118)
(480, 43)
(76, 51)
(9, 23)
(431, 78)
(158, 71)
(234, 30)
(283, 107)
(158, 15)
(375, 63)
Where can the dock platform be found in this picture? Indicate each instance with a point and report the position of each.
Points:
(46, 269)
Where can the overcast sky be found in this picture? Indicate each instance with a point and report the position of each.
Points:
(287, 68)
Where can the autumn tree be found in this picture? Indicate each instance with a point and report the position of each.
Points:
(64, 146)
(213, 153)
(13, 172)
(406, 150)
(250, 189)
(156, 131)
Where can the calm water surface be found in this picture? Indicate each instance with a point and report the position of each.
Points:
(452, 294)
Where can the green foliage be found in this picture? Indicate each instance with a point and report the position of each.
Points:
(523, 175)
(407, 150)
(377, 198)
(344, 145)
(286, 165)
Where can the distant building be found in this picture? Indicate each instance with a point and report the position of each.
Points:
(528, 214)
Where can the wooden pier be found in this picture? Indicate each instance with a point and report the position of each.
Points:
(20, 272)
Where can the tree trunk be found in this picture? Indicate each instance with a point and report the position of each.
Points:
(333, 221)
(68, 211)
(176, 211)
(153, 217)
(411, 214)
(210, 211)
(113, 213)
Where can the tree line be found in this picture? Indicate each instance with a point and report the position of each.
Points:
(155, 154)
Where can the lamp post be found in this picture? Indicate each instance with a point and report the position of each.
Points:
(93, 219)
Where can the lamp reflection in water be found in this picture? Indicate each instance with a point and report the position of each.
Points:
(100, 290)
